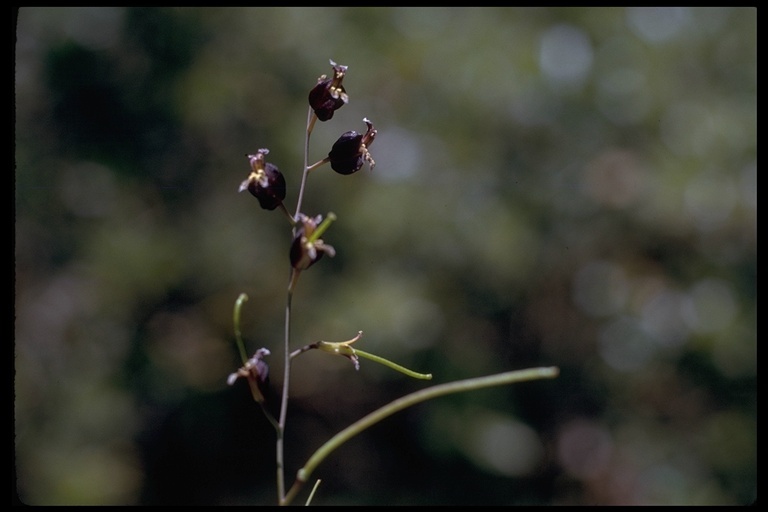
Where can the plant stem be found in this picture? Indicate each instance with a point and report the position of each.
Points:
(414, 398)
(287, 214)
(394, 366)
(238, 335)
(317, 164)
(279, 445)
(311, 118)
(312, 494)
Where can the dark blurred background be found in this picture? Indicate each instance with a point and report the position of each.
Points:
(553, 187)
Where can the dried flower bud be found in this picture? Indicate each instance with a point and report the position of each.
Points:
(342, 348)
(307, 248)
(329, 95)
(350, 151)
(265, 182)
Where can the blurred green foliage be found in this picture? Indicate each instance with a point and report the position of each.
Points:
(553, 186)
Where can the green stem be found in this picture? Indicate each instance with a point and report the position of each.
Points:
(414, 398)
(394, 366)
(324, 225)
(238, 336)
(312, 494)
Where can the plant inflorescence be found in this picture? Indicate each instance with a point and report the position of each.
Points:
(349, 154)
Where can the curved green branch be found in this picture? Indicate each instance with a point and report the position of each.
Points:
(238, 336)
(394, 366)
(376, 416)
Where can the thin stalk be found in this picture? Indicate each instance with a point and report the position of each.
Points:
(238, 335)
(407, 401)
(311, 118)
(287, 214)
(312, 494)
(318, 164)
(279, 445)
(394, 366)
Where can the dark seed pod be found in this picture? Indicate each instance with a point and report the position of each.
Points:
(350, 151)
(345, 154)
(266, 182)
(271, 195)
(329, 95)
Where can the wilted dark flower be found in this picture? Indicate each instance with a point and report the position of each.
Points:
(307, 249)
(256, 371)
(265, 182)
(350, 151)
(329, 95)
